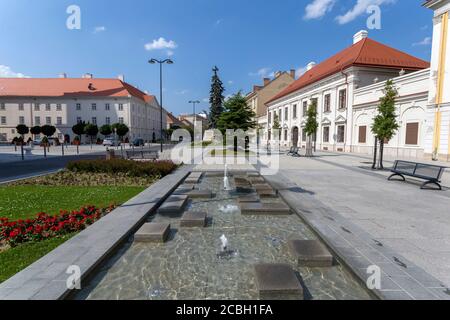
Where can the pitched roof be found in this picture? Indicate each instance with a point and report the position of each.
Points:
(70, 88)
(366, 52)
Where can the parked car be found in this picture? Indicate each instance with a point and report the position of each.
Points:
(138, 142)
(109, 142)
(37, 142)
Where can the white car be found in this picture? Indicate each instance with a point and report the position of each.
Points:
(110, 143)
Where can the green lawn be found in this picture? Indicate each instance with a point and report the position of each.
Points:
(17, 259)
(21, 202)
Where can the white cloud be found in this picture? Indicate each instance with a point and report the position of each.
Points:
(182, 92)
(318, 8)
(230, 82)
(99, 29)
(161, 44)
(263, 72)
(425, 42)
(206, 100)
(170, 53)
(359, 9)
(6, 72)
(300, 71)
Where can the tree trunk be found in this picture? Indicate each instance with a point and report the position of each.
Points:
(381, 167)
(375, 153)
(309, 147)
(45, 150)
(21, 150)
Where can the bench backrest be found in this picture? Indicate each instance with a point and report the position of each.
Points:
(421, 170)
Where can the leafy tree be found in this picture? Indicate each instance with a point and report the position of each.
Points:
(385, 124)
(22, 129)
(78, 129)
(48, 130)
(121, 129)
(92, 131)
(106, 130)
(35, 130)
(311, 126)
(216, 98)
(237, 115)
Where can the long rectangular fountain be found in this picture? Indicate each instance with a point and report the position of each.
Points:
(222, 257)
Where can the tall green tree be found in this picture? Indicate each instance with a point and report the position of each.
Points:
(35, 131)
(121, 129)
(385, 124)
(311, 126)
(216, 98)
(106, 130)
(92, 131)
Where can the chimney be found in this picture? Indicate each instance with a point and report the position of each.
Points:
(266, 81)
(88, 76)
(292, 73)
(361, 35)
(310, 65)
(62, 75)
(121, 77)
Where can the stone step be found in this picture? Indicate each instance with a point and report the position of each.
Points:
(258, 208)
(266, 193)
(276, 281)
(193, 219)
(256, 180)
(248, 198)
(243, 185)
(173, 205)
(153, 232)
(311, 253)
(184, 189)
(194, 178)
(200, 194)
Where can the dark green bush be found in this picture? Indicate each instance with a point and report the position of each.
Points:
(131, 168)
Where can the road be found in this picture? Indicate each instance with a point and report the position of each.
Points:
(23, 169)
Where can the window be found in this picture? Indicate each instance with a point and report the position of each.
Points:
(79, 120)
(48, 107)
(362, 138)
(21, 120)
(37, 107)
(20, 106)
(121, 120)
(327, 103)
(280, 116)
(285, 135)
(294, 111)
(107, 107)
(37, 121)
(94, 120)
(343, 99)
(120, 107)
(3, 137)
(286, 113)
(2, 106)
(48, 120)
(58, 107)
(270, 118)
(3, 120)
(340, 134)
(59, 121)
(304, 135)
(78, 106)
(108, 120)
(326, 134)
(305, 108)
(412, 134)
(94, 107)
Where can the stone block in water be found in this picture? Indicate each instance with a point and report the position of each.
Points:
(243, 185)
(200, 194)
(193, 219)
(311, 253)
(173, 205)
(248, 198)
(184, 189)
(277, 280)
(271, 209)
(153, 232)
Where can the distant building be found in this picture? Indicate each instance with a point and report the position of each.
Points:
(257, 99)
(63, 102)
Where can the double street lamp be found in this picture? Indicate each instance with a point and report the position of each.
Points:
(194, 114)
(161, 62)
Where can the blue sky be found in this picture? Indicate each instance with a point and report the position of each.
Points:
(246, 39)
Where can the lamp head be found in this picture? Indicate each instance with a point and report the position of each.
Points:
(152, 61)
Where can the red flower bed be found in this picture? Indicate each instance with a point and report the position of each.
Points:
(45, 226)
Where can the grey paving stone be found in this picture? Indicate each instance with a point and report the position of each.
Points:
(248, 198)
(200, 194)
(266, 193)
(173, 205)
(394, 295)
(414, 288)
(256, 180)
(276, 279)
(243, 185)
(193, 219)
(153, 232)
(275, 209)
(311, 253)
(184, 189)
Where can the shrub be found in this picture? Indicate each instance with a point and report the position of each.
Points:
(128, 167)
(45, 226)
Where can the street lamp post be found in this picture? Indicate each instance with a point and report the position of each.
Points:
(161, 62)
(195, 115)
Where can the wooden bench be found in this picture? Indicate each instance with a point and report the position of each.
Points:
(142, 155)
(431, 173)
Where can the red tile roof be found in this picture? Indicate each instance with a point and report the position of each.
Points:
(70, 88)
(366, 52)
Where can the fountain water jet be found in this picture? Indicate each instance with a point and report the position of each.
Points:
(226, 180)
(225, 253)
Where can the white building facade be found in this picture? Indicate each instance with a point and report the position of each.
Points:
(63, 102)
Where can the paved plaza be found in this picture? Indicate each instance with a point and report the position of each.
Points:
(413, 222)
